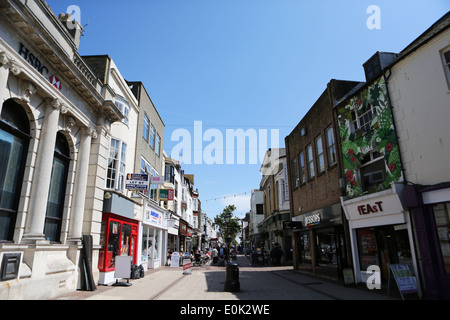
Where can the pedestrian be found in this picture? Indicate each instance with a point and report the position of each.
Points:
(214, 254)
(278, 253)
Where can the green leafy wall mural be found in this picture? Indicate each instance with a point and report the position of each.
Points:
(357, 144)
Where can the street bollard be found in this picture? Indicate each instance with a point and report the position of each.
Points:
(232, 278)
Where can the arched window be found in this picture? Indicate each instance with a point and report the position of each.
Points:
(14, 140)
(57, 191)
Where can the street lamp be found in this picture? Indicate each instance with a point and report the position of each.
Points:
(227, 219)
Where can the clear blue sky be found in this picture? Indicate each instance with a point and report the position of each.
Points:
(253, 64)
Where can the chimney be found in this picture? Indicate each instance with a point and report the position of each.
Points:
(74, 27)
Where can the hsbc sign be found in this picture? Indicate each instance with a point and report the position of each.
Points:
(55, 82)
(34, 61)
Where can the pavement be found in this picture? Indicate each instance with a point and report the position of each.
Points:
(206, 283)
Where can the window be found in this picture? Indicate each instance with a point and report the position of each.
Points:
(372, 172)
(158, 144)
(169, 174)
(145, 131)
(152, 136)
(115, 178)
(57, 192)
(124, 108)
(14, 137)
(319, 155)
(442, 218)
(331, 147)
(302, 168)
(259, 208)
(446, 61)
(362, 118)
(310, 160)
(295, 172)
(146, 168)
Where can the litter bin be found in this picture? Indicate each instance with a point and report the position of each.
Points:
(232, 278)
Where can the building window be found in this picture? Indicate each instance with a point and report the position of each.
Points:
(302, 168)
(362, 118)
(145, 130)
(310, 159)
(152, 136)
(124, 108)
(260, 208)
(169, 174)
(442, 218)
(146, 168)
(57, 191)
(319, 155)
(446, 61)
(115, 178)
(373, 172)
(14, 138)
(158, 144)
(331, 147)
(295, 172)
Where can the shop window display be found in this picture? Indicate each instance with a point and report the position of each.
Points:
(442, 218)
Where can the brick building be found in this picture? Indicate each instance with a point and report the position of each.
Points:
(315, 186)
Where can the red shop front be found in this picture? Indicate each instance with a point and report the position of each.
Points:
(119, 237)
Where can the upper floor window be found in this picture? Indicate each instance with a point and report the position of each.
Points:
(310, 159)
(157, 144)
(319, 155)
(115, 178)
(446, 61)
(331, 147)
(146, 128)
(124, 108)
(372, 172)
(294, 171)
(362, 118)
(302, 168)
(152, 136)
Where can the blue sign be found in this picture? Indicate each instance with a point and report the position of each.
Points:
(137, 181)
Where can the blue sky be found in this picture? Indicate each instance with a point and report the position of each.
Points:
(242, 64)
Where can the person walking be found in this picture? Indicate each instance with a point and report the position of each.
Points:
(214, 255)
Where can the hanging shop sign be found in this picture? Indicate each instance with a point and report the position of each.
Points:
(157, 180)
(166, 194)
(137, 181)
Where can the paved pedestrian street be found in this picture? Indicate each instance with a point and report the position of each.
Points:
(207, 282)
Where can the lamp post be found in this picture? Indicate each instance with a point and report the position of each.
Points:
(227, 235)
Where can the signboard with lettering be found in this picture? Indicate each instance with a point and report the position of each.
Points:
(166, 194)
(137, 181)
(404, 278)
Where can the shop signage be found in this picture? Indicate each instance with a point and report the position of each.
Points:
(157, 180)
(312, 219)
(32, 59)
(137, 181)
(187, 266)
(175, 260)
(39, 66)
(404, 278)
(166, 194)
(369, 208)
(372, 211)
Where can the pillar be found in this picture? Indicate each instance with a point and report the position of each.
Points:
(34, 231)
(79, 193)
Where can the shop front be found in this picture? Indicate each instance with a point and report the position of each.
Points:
(185, 237)
(320, 244)
(119, 234)
(154, 238)
(380, 233)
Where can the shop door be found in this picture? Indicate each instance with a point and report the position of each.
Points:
(133, 245)
(386, 244)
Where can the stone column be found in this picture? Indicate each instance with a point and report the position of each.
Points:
(6, 66)
(34, 231)
(79, 193)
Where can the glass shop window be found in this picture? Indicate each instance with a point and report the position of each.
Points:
(326, 249)
(442, 218)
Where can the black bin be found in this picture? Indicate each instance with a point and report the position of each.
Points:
(232, 278)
